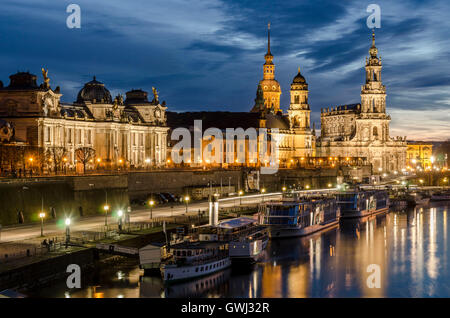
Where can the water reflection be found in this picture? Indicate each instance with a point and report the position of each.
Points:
(409, 246)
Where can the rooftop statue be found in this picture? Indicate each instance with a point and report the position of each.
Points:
(155, 95)
(46, 78)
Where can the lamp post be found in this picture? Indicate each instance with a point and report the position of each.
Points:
(240, 196)
(106, 208)
(151, 203)
(67, 231)
(42, 216)
(119, 216)
(186, 200)
(263, 190)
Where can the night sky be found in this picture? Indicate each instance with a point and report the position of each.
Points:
(208, 55)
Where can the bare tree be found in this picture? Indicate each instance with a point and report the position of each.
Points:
(84, 155)
(55, 155)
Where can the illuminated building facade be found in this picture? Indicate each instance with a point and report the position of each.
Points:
(362, 130)
(419, 154)
(123, 133)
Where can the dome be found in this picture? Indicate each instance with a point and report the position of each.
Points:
(94, 90)
(23, 80)
(299, 79)
(136, 96)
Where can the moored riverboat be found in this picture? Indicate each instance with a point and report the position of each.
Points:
(440, 196)
(355, 204)
(195, 259)
(246, 238)
(299, 217)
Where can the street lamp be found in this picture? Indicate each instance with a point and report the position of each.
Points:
(240, 196)
(119, 216)
(151, 203)
(42, 216)
(283, 189)
(186, 199)
(263, 190)
(67, 231)
(106, 208)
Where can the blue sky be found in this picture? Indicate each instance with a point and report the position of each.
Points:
(208, 55)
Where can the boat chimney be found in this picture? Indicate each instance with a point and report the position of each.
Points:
(214, 209)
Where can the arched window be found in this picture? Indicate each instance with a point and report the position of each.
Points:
(297, 99)
(375, 132)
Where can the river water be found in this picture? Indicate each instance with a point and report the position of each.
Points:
(409, 250)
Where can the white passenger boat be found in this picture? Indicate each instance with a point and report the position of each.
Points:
(246, 238)
(355, 204)
(441, 196)
(290, 218)
(195, 259)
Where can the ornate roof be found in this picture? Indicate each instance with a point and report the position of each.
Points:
(136, 96)
(299, 79)
(94, 92)
(23, 80)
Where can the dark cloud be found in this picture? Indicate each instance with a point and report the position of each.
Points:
(209, 55)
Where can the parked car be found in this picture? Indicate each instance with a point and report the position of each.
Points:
(155, 197)
(169, 196)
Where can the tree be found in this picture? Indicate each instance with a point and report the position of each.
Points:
(84, 155)
(55, 155)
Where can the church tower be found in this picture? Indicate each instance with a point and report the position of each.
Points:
(299, 118)
(373, 93)
(299, 111)
(375, 124)
(270, 87)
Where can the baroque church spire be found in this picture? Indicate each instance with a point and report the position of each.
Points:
(373, 93)
(270, 87)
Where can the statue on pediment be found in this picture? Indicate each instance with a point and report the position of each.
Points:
(46, 78)
(155, 96)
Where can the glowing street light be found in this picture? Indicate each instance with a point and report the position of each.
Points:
(263, 190)
(106, 208)
(42, 216)
(307, 187)
(329, 185)
(119, 216)
(186, 200)
(151, 203)
(67, 222)
(240, 196)
(283, 189)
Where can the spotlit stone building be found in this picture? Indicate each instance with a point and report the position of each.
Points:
(130, 132)
(296, 139)
(419, 155)
(362, 130)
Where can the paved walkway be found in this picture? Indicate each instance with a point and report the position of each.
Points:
(95, 223)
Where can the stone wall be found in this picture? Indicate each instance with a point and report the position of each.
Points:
(65, 194)
(68, 194)
(142, 183)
